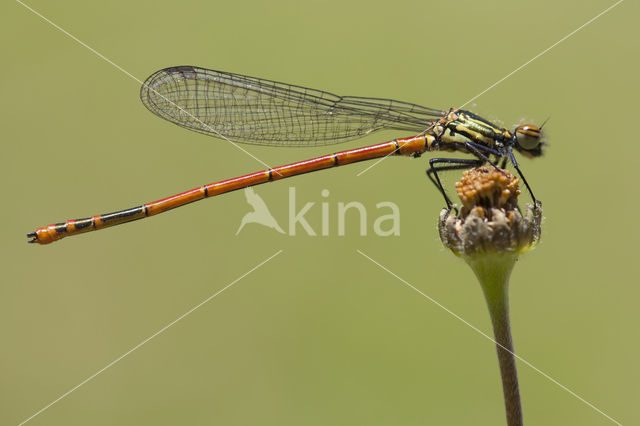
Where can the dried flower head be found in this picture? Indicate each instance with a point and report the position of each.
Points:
(489, 220)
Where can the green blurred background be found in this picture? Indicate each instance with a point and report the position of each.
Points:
(319, 335)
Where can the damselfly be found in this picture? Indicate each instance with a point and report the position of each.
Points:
(263, 112)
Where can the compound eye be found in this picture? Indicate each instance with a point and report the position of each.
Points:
(528, 136)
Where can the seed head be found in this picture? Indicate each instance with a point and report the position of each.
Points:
(489, 220)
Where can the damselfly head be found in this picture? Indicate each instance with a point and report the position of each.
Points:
(529, 140)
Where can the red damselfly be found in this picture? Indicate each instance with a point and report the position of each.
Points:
(264, 112)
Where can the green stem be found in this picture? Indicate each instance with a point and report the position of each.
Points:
(493, 271)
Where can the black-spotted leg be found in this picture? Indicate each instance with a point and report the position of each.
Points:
(455, 164)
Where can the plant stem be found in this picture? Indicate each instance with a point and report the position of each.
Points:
(493, 271)
(489, 233)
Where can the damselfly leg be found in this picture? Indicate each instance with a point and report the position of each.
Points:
(515, 166)
(455, 164)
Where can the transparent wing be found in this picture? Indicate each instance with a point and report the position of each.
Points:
(263, 112)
